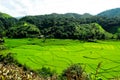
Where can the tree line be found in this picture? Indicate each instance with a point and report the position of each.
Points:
(61, 26)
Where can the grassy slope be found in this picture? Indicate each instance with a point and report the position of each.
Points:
(58, 54)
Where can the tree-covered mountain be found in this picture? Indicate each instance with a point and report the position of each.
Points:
(6, 21)
(23, 30)
(69, 25)
(86, 15)
(75, 15)
(110, 13)
(68, 15)
(72, 15)
(57, 26)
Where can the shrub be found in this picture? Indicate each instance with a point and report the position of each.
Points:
(47, 73)
(6, 58)
(75, 72)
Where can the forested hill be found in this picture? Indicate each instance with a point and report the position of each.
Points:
(68, 15)
(110, 13)
(69, 25)
(42, 21)
(75, 15)
(6, 21)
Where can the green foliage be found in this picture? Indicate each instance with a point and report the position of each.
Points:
(109, 24)
(6, 21)
(1, 27)
(46, 72)
(6, 59)
(77, 31)
(86, 15)
(65, 26)
(22, 30)
(110, 13)
(58, 26)
(90, 31)
(75, 72)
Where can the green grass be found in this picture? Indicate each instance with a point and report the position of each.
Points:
(59, 54)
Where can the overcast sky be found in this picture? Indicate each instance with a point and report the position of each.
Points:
(18, 8)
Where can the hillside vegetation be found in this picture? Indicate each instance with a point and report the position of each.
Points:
(110, 13)
(6, 21)
(69, 26)
(23, 30)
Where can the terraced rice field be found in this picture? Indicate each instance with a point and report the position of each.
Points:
(59, 54)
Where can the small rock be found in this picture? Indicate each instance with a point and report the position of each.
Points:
(0, 72)
(1, 65)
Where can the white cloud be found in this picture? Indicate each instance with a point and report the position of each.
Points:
(36, 7)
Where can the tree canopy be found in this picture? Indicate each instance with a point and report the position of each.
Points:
(23, 30)
(69, 26)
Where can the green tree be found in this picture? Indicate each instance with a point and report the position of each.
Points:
(22, 30)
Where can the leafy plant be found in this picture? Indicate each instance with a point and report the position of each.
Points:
(75, 72)
(46, 72)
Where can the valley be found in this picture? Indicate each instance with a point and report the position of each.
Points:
(58, 54)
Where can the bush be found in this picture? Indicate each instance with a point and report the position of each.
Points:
(47, 73)
(74, 72)
(7, 58)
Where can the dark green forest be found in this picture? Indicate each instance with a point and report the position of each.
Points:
(63, 26)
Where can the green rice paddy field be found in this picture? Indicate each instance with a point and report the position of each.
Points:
(59, 54)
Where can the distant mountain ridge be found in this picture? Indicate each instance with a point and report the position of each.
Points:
(110, 13)
(109, 20)
(107, 13)
(70, 15)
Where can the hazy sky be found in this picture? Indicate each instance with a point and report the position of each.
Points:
(36, 7)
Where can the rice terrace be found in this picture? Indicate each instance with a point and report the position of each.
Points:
(56, 46)
(59, 54)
